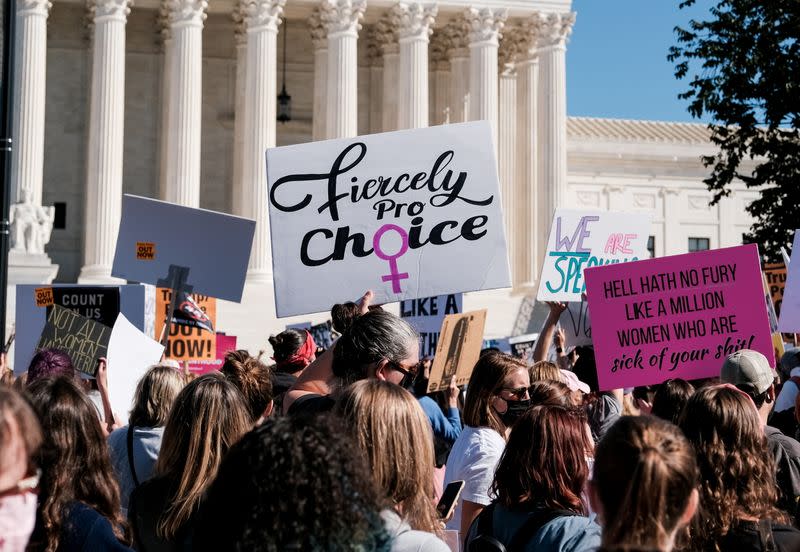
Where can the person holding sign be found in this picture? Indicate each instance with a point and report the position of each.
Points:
(497, 395)
(374, 344)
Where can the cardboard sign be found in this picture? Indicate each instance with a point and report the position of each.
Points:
(214, 247)
(777, 338)
(407, 214)
(44, 297)
(459, 349)
(789, 321)
(522, 346)
(582, 239)
(776, 280)
(100, 303)
(676, 317)
(225, 344)
(187, 342)
(426, 316)
(130, 354)
(83, 339)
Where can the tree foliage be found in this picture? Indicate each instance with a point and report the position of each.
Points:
(743, 68)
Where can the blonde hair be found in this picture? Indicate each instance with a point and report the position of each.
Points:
(544, 370)
(208, 417)
(392, 429)
(155, 393)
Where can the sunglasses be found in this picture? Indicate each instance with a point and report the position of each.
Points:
(518, 393)
(409, 377)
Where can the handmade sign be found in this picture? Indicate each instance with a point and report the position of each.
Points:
(322, 334)
(522, 346)
(498, 343)
(676, 317)
(156, 237)
(582, 239)
(772, 316)
(130, 354)
(189, 338)
(426, 316)
(776, 280)
(225, 344)
(458, 350)
(100, 303)
(576, 324)
(789, 321)
(84, 340)
(407, 214)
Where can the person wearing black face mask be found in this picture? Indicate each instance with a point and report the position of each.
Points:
(497, 394)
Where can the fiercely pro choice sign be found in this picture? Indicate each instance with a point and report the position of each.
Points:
(676, 317)
(407, 214)
(582, 239)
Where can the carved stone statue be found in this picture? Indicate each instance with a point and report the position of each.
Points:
(31, 225)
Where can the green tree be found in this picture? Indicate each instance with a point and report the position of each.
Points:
(743, 66)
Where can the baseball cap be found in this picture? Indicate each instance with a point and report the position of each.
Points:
(573, 382)
(748, 367)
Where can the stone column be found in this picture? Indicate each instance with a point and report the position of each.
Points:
(387, 37)
(27, 156)
(507, 141)
(440, 108)
(375, 60)
(531, 243)
(319, 39)
(486, 25)
(458, 37)
(184, 101)
(343, 21)
(240, 34)
(106, 134)
(552, 153)
(166, 72)
(261, 18)
(415, 24)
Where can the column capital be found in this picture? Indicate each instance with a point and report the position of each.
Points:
(374, 53)
(485, 24)
(262, 15)
(109, 9)
(186, 13)
(343, 16)
(439, 48)
(386, 33)
(414, 20)
(457, 33)
(554, 29)
(34, 7)
(319, 32)
(512, 48)
(239, 26)
(162, 24)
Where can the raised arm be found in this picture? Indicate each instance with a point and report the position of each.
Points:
(548, 329)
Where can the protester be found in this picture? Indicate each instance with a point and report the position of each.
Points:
(541, 348)
(644, 485)
(391, 429)
(577, 388)
(544, 370)
(47, 363)
(134, 448)
(497, 395)
(293, 484)
(738, 498)
(20, 439)
(373, 344)
(750, 372)
(538, 486)
(79, 505)
(445, 419)
(253, 379)
(549, 393)
(670, 398)
(208, 417)
(292, 351)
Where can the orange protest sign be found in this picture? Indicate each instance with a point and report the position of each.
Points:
(186, 341)
(44, 297)
(145, 251)
(459, 348)
(776, 280)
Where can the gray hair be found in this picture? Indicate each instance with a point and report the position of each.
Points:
(372, 337)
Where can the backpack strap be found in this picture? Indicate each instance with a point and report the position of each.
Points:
(484, 540)
(538, 519)
(129, 439)
(766, 536)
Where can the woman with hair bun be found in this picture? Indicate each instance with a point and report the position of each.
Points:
(253, 378)
(373, 344)
(644, 486)
(292, 351)
(738, 490)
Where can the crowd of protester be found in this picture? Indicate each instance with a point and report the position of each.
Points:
(344, 449)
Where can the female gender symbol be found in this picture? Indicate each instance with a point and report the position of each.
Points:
(394, 276)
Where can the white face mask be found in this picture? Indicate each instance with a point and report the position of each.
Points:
(17, 518)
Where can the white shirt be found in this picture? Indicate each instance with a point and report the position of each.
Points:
(473, 459)
(788, 393)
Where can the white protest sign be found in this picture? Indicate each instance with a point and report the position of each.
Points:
(790, 307)
(426, 315)
(582, 239)
(407, 214)
(576, 324)
(130, 354)
(155, 235)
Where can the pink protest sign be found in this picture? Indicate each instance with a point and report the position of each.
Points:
(225, 343)
(676, 317)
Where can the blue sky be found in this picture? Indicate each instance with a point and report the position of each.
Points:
(617, 59)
